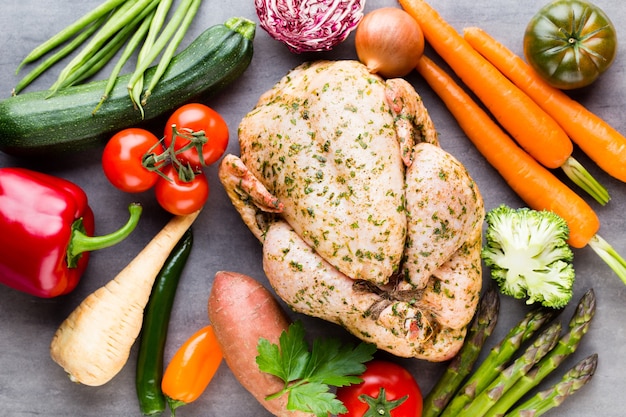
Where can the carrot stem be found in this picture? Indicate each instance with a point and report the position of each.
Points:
(609, 255)
(581, 177)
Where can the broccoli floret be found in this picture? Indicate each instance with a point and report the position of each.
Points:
(528, 255)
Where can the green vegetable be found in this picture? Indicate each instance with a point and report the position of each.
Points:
(512, 373)
(568, 343)
(308, 374)
(528, 255)
(32, 124)
(461, 365)
(57, 56)
(91, 18)
(554, 396)
(171, 48)
(122, 18)
(497, 359)
(172, 33)
(149, 370)
(570, 43)
(132, 44)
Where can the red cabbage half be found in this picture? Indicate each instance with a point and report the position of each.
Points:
(309, 25)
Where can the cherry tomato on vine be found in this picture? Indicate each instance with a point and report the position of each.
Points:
(123, 159)
(570, 43)
(196, 117)
(181, 197)
(402, 396)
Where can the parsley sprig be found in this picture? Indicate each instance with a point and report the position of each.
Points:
(309, 374)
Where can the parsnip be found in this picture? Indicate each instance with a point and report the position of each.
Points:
(93, 343)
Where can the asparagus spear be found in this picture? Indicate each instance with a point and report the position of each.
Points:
(544, 343)
(461, 365)
(548, 399)
(578, 326)
(497, 358)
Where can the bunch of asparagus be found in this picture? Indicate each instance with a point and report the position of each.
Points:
(495, 388)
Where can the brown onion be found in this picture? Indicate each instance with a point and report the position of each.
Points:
(389, 42)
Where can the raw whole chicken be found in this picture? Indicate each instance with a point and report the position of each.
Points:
(365, 221)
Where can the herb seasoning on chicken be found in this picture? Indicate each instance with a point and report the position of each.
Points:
(365, 221)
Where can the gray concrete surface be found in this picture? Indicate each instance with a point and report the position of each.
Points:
(32, 385)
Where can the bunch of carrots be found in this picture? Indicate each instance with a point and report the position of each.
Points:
(528, 109)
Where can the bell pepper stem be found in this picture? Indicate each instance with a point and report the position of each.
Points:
(80, 242)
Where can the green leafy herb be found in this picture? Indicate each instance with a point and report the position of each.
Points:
(308, 374)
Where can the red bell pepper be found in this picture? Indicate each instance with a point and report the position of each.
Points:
(46, 232)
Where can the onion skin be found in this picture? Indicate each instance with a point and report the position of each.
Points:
(389, 42)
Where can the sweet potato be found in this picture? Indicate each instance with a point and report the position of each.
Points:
(242, 311)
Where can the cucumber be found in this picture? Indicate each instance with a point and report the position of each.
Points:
(33, 124)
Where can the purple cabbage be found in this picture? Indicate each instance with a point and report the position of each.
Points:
(309, 25)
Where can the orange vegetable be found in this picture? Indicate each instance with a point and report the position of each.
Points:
(536, 185)
(601, 142)
(191, 369)
(538, 133)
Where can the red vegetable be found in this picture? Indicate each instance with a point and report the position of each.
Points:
(46, 233)
(311, 25)
(387, 390)
(125, 160)
(199, 130)
(181, 195)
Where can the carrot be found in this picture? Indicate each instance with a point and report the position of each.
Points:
(538, 133)
(600, 141)
(93, 343)
(535, 184)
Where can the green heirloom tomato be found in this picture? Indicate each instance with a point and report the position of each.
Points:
(570, 43)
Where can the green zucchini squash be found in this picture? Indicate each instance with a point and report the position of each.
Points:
(36, 124)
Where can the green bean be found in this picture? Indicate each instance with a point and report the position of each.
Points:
(102, 56)
(60, 54)
(155, 27)
(171, 48)
(132, 45)
(114, 24)
(160, 42)
(70, 31)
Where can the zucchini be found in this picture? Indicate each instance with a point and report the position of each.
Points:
(37, 124)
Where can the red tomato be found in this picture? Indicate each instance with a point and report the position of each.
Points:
(122, 160)
(197, 117)
(397, 383)
(181, 197)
